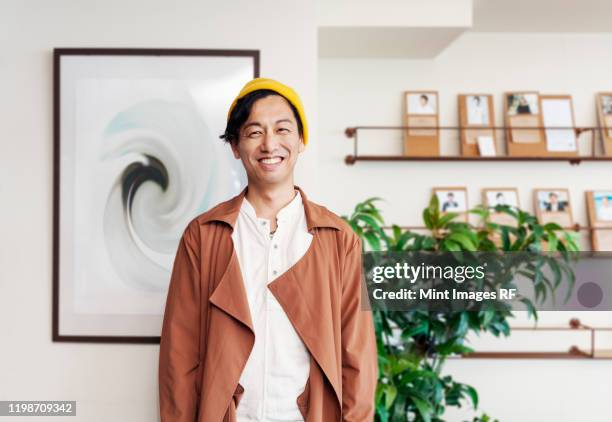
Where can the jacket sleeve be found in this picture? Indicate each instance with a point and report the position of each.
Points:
(180, 336)
(359, 353)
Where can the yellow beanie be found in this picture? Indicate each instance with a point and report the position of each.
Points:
(287, 92)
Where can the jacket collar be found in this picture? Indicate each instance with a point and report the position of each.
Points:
(227, 212)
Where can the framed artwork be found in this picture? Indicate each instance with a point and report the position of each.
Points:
(477, 119)
(604, 113)
(553, 206)
(421, 111)
(522, 112)
(493, 197)
(453, 199)
(557, 113)
(137, 155)
(599, 208)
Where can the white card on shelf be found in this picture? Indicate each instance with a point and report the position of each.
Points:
(486, 147)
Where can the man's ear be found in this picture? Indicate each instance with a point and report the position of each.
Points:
(235, 151)
(301, 147)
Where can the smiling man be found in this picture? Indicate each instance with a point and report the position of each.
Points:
(263, 319)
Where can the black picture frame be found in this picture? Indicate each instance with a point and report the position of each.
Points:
(58, 54)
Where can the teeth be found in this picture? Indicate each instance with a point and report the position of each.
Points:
(272, 160)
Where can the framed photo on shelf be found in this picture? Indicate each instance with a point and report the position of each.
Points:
(493, 197)
(136, 157)
(604, 113)
(453, 199)
(599, 208)
(421, 139)
(558, 112)
(553, 206)
(522, 111)
(477, 119)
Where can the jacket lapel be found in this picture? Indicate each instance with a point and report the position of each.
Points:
(230, 294)
(308, 306)
(307, 301)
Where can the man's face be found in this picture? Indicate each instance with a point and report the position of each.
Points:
(269, 141)
(424, 101)
(553, 198)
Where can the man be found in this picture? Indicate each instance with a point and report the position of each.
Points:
(264, 319)
(424, 106)
(500, 199)
(450, 203)
(604, 210)
(553, 204)
(477, 112)
(523, 106)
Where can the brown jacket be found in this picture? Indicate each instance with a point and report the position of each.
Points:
(207, 332)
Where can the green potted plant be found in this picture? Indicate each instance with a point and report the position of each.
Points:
(414, 345)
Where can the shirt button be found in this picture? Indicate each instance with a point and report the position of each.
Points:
(263, 223)
(274, 272)
(276, 246)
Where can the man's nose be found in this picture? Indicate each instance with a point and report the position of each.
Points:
(270, 141)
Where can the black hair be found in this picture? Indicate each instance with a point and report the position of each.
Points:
(242, 110)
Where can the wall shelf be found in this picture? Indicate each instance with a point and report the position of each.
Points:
(575, 228)
(352, 133)
(352, 159)
(573, 351)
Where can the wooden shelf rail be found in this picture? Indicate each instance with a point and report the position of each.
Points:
(573, 352)
(353, 133)
(575, 228)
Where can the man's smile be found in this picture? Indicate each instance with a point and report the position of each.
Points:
(271, 163)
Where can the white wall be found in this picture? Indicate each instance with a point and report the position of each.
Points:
(109, 382)
(118, 382)
(369, 92)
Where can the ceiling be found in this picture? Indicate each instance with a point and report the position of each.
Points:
(542, 16)
(401, 28)
(376, 42)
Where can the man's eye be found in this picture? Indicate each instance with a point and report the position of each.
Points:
(257, 132)
(284, 129)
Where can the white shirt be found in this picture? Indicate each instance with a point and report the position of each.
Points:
(425, 109)
(279, 364)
